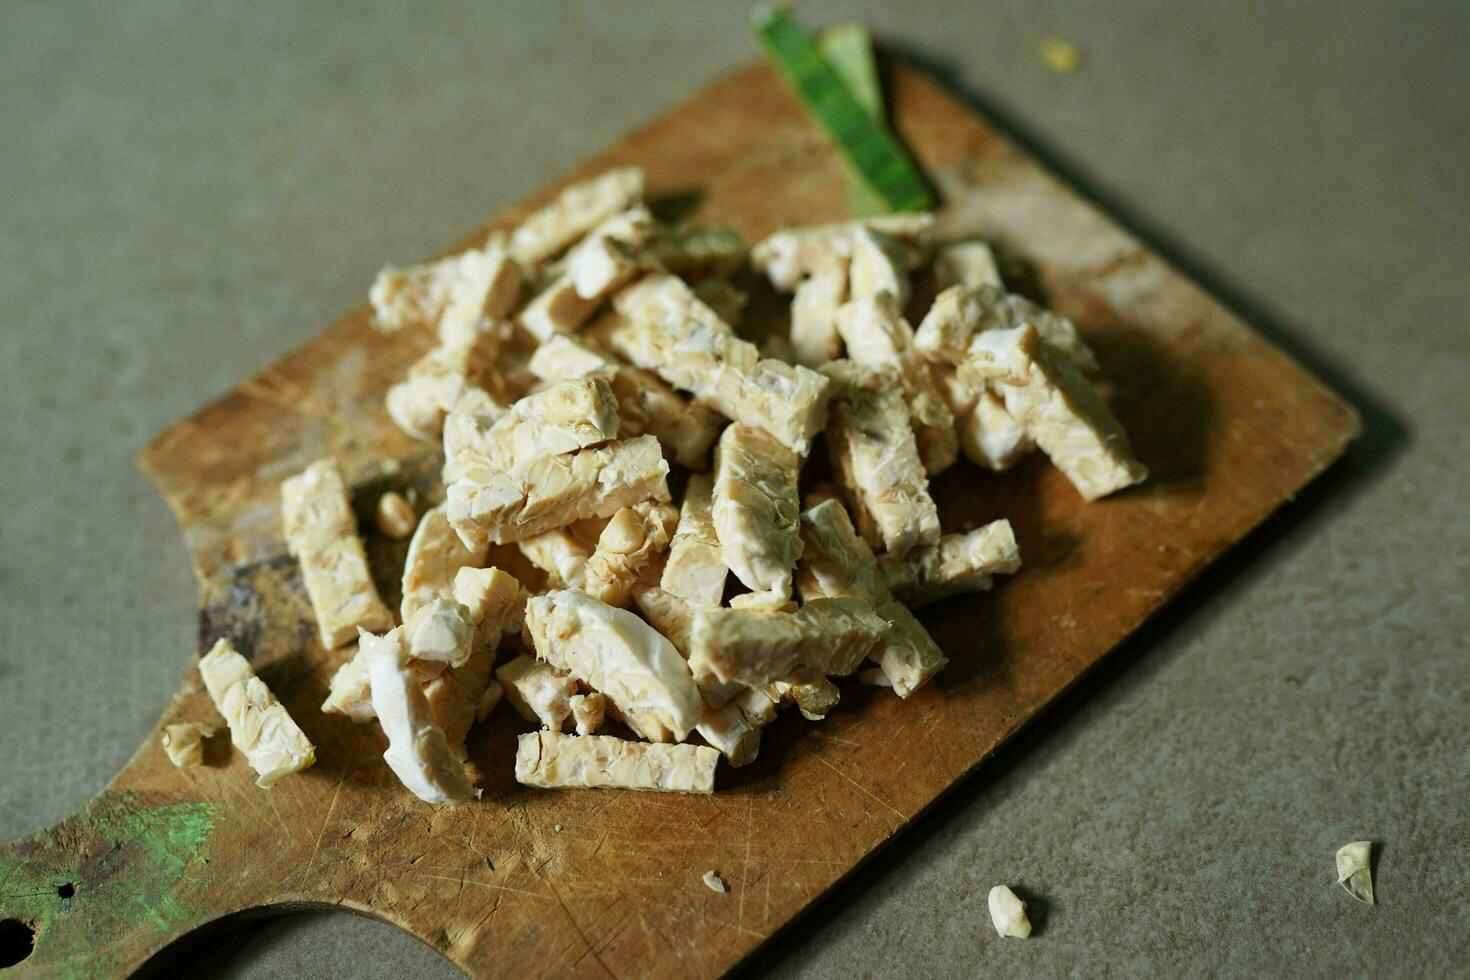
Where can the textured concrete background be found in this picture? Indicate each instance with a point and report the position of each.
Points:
(190, 190)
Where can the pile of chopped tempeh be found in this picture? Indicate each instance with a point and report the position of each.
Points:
(577, 357)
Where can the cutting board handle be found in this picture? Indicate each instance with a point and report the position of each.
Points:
(103, 890)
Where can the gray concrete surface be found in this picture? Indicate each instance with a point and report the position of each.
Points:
(189, 190)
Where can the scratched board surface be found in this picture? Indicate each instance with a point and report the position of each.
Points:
(528, 882)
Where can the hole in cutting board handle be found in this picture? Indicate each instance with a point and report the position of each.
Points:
(17, 940)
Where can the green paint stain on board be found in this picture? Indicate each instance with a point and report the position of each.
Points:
(123, 862)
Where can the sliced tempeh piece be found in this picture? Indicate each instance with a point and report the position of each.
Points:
(876, 334)
(476, 283)
(667, 613)
(561, 554)
(960, 316)
(841, 563)
(494, 601)
(486, 504)
(418, 751)
(815, 338)
(321, 532)
(578, 209)
(878, 265)
(260, 726)
(435, 556)
(786, 256)
(538, 691)
(568, 416)
(440, 634)
(184, 742)
(727, 729)
(630, 543)
(757, 646)
(685, 429)
(350, 692)
(588, 711)
(554, 761)
(756, 509)
(608, 257)
(877, 459)
(669, 331)
(957, 563)
(435, 383)
(613, 651)
(970, 264)
(1046, 393)
(562, 358)
(465, 427)
(696, 568)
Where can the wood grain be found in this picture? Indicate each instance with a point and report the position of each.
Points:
(528, 882)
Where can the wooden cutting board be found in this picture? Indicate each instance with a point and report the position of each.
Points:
(528, 882)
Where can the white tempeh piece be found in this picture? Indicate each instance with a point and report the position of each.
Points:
(878, 265)
(696, 568)
(991, 437)
(558, 309)
(876, 334)
(561, 554)
(538, 691)
(435, 383)
(630, 543)
(788, 255)
(667, 613)
(815, 338)
(477, 283)
(756, 509)
(1046, 393)
(646, 404)
(418, 752)
(613, 651)
(435, 556)
(184, 742)
(960, 316)
(727, 729)
(841, 563)
(486, 504)
(669, 331)
(877, 458)
(756, 646)
(608, 257)
(757, 706)
(464, 430)
(970, 264)
(321, 533)
(562, 358)
(578, 209)
(956, 564)
(260, 726)
(553, 761)
(440, 634)
(588, 711)
(350, 692)
(494, 601)
(568, 416)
